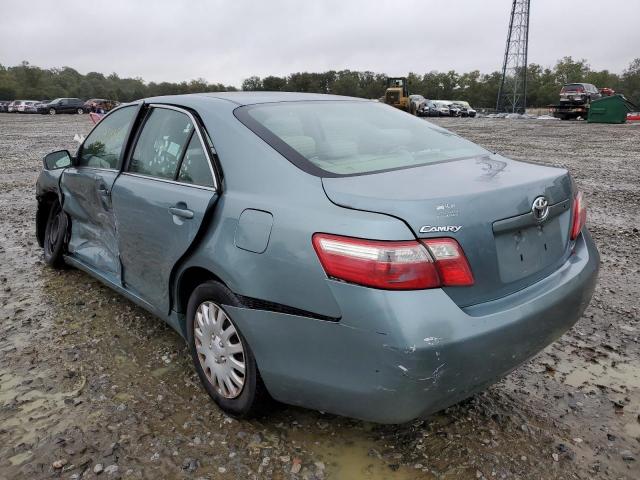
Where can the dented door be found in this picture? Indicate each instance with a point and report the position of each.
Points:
(86, 189)
(93, 240)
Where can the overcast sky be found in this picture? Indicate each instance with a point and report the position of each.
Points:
(227, 41)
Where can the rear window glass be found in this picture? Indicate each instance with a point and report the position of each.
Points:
(572, 88)
(339, 138)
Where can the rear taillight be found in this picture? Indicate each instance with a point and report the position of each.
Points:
(406, 265)
(579, 215)
(450, 261)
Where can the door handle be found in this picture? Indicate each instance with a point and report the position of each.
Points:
(102, 190)
(181, 212)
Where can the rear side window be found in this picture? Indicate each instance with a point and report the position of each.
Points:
(103, 146)
(338, 138)
(163, 140)
(195, 165)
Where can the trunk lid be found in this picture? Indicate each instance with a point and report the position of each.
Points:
(485, 203)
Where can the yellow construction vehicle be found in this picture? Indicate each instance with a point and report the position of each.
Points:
(397, 94)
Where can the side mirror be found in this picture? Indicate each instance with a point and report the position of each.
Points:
(56, 160)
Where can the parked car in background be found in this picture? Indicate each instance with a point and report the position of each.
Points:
(4, 106)
(454, 110)
(100, 105)
(461, 111)
(465, 108)
(579, 93)
(18, 106)
(63, 105)
(370, 264)
(442, 108)
(428, 109)
(23, 106)
(41, 103)
(28, 106)
(416, 102)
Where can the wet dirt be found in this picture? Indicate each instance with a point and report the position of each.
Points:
(91, 385)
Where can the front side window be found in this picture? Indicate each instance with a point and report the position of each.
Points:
(336, 138)
(103, 146)
(163, 140)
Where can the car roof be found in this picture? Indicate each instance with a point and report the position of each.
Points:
(252, 98)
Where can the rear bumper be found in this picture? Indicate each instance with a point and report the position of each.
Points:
(573, 103)
(396, 356)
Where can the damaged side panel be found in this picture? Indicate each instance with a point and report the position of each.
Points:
(338, 360)
(87, 194)
(340, 369)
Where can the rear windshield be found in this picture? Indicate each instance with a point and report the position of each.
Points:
(573, 88)
(340, 138)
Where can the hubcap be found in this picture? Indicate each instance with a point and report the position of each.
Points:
(219, 349)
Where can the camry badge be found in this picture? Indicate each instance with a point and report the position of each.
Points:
(445, 228)
(540, 209)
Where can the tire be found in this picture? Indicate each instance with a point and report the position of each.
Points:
(52, 111)
(80, 111)
(55, 236)
(251, 398)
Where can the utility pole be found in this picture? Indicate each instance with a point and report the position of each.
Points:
(512, 95)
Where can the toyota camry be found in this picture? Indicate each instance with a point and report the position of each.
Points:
(323, 251)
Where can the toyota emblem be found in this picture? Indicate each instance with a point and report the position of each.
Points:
(540, 209)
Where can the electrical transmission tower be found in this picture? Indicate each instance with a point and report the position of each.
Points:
(512, 95)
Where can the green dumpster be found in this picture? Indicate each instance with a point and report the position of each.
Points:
(612, 109)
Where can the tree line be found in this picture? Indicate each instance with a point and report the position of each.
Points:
(29, 82)
(26, 81)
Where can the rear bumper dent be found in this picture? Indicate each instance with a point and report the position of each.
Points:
(396, 356)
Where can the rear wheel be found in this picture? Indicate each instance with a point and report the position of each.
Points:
(52, 111)
(80, 111)
(221, 355)
(54, 236)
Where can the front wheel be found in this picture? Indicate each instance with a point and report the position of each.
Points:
(221, 355)
(52, 111)
(80, 111)
(54, 236)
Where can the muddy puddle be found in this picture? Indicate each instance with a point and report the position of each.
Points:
(93, 387)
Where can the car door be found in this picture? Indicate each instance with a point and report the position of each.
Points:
(87, 186)
(161, 200)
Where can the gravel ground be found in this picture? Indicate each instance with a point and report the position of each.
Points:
(91, 385)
